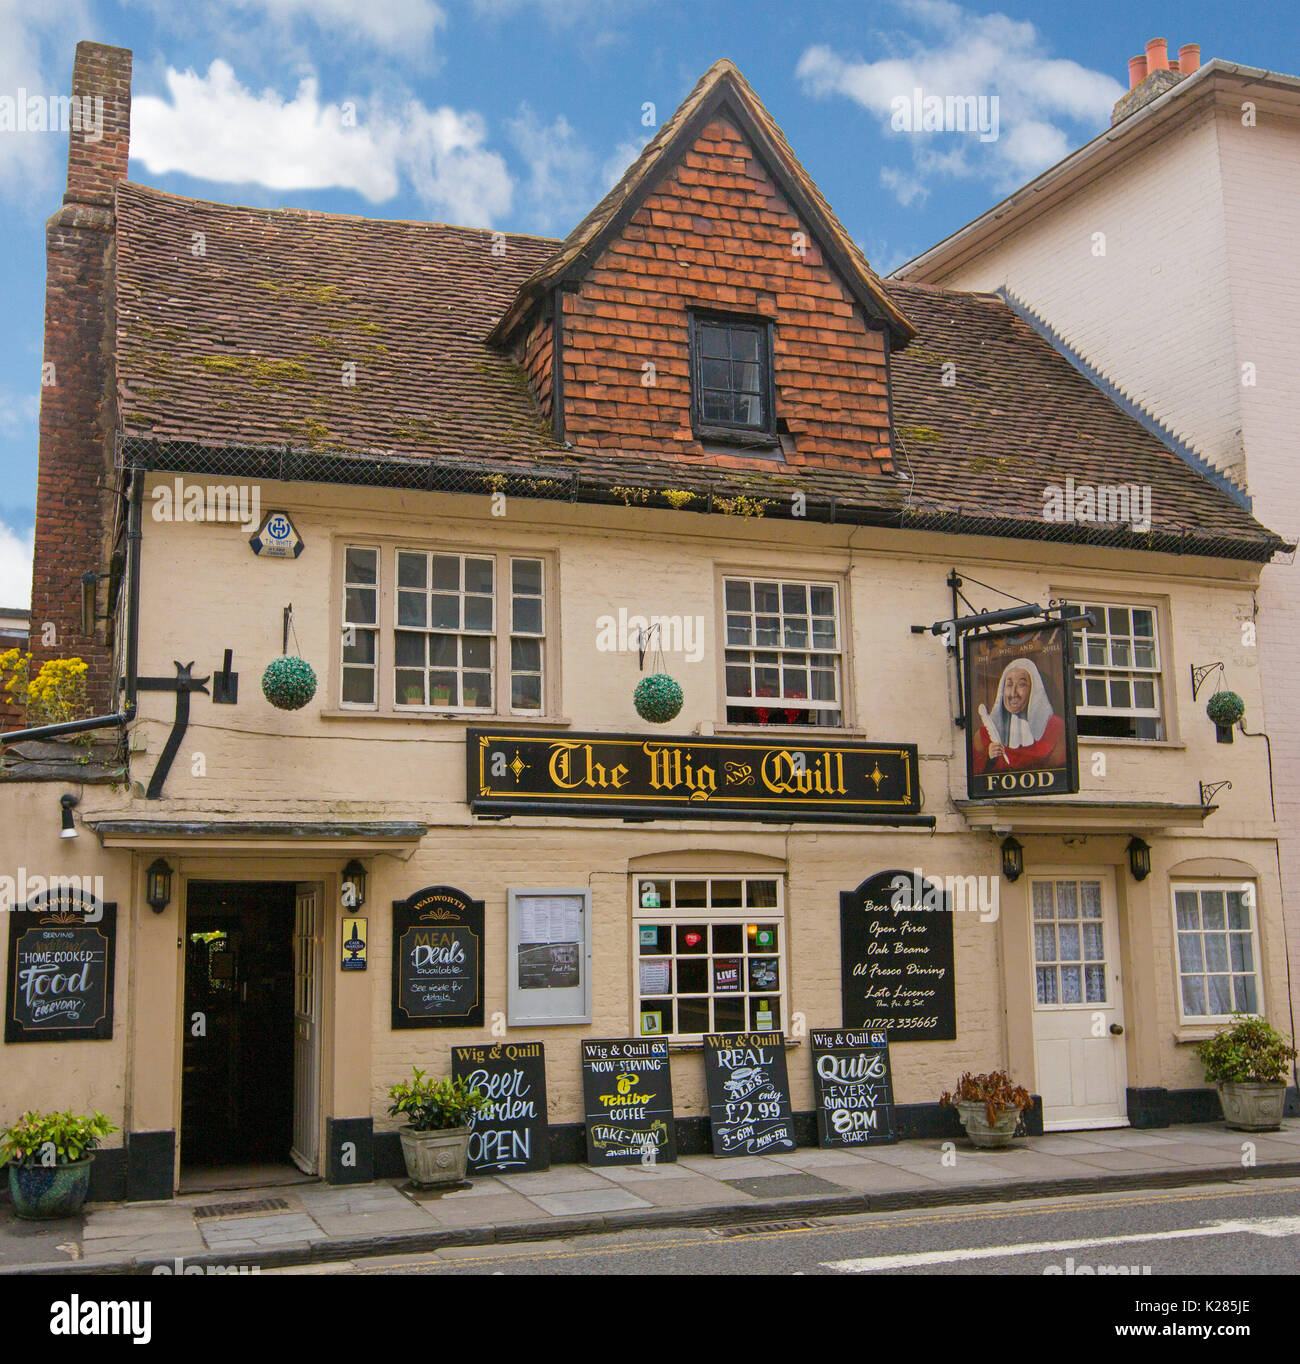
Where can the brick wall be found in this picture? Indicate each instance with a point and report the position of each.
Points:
(74, 495)
(717, 233)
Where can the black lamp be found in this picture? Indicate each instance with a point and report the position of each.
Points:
(1139, 858)
(1013, 858)
(69, 827)
(158, 885)
(354, 885)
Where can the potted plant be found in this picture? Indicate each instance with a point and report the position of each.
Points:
(471, 696)
(414, 695)
(1247, 1064)
(1226, 709)
(435, 1137)
(990, 1107)
(441, 696)
(49, 1157)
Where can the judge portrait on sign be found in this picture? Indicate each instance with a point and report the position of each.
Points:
(1022, 731)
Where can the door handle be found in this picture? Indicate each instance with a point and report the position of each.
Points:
(1117, 1029)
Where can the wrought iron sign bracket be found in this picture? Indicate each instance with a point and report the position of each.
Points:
(1210, 789)
(182, 684)
(1199, 674)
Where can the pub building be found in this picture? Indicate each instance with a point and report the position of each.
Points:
(399, 529)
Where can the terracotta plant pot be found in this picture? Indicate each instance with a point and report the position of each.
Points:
(42, 1192)
(435, 1158)
(1252, 1105)
(975, 1120)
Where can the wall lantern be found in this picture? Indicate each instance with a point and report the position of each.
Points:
(158, 885)
(1139, 859)
(354, 885)
(69, 803)
(1013, 858)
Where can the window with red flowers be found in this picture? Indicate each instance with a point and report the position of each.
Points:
(783, 657)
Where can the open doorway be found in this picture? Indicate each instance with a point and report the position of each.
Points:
(250, 986)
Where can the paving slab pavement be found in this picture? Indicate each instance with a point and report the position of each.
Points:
(321, 1223)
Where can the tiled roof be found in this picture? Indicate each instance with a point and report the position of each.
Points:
(234, 326)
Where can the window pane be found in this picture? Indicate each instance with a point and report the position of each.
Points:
(1044, 942)
(1193, 995)
(1042, 894)
(443, 652)
(526, 577)
(362, 647)
(477, 690)
(714, 341)
(478, 613)
(760, 894)
(737, 595)
(358, 686)
(412, 609)
(1090, 899)
(692, 938)
(1186, 909)
(1189, 952)
(1069, 942)
(479, 575)
(1093, 949)
(1238, 914)
(728, 937)
(446, 572)
(1067, 900)
(361, 566)
(1243, 993)
(1212, 908)
(409, 649)
(409, 687)
(525, 692)
(476, 653)
(412, 570)
(716, 374)
(1239, 952)
(690, 894)
(359, 605)
(692, 1015)
(729, 1013)
(1046, 976)
(1219, 995)
(1071, 985)
(693, 976)
(745, 343)
(725, 895)
(446, 612)
(526, 655)
(1216, 952)
(738, 682)
(527, 615)
(1094, 978)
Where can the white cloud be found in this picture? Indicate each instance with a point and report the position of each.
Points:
(16, 565)
(215, 128)
(558, 12)
(394, 24)
(905, 187)
(18, 415)
(971, 54)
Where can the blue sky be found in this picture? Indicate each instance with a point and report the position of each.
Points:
(519, 114)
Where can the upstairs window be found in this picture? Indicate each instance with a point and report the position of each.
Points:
(1117, 680)
(731, 376)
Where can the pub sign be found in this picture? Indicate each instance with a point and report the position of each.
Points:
(61, 963)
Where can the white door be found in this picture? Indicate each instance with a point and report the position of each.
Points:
(306, 1027)
(1080, 1063)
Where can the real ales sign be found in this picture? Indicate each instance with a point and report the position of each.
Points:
(512, 1135)
(855, 1101)
(896, 959)
(749, 1093)
(437, 960)
(627, 1092)
(60, 978)
(1020, 724)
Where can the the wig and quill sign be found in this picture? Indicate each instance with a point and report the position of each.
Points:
(1020, 731)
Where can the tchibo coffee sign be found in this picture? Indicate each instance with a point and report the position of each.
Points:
(60, 980)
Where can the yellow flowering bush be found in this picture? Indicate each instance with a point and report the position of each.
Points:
(56, 694)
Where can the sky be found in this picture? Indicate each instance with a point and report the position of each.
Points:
(519, 114)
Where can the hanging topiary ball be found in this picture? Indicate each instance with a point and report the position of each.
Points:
(658, 698)
(1225, 708)
(288, 683)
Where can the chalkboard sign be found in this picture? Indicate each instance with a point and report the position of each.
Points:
(896, 958)
(749, 1093)
(855, 1093)
(627, 1093)
(60, 979)
(438, 960)
(512, 1135)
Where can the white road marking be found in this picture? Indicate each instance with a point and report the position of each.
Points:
(1261, 1226)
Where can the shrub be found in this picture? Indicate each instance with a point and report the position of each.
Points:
(71, 1136)
(1249, 1050)
(995, 1091)
(434, 1105)
(56, 694)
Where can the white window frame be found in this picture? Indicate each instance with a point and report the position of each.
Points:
(1109, 671)
(503, 633)
(1249, 889)
(666, 913)
(776, 653)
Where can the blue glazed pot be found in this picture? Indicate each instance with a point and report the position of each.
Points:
(41, 1192)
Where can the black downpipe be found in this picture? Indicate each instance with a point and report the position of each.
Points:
(133, 518)
(65, 727)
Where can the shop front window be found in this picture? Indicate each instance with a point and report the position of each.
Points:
(1218, 950)
(710, 955)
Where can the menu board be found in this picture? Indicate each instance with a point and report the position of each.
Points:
(749, 1093)
(512, 1135)
(627, 1093)
(549, 936)
(896, 959)
(855, 1095)
(60, 979)
(437, 960)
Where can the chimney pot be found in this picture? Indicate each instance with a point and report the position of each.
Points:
(1189, 58)
(1157, 55)
(1137, 70)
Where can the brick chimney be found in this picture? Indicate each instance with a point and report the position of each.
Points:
(1152, 72)
(75, 497)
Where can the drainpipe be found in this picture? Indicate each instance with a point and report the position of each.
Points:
(133, 518)
(66, 727)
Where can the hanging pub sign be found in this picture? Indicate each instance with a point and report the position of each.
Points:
(61, 958)
(749, 1093)
(437, 960)
(897, 960)
(627, 1093)
(511, 1136)
(1020, 723)
(855, 1096)
(734, 778)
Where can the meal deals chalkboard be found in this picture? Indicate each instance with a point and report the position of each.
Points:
(627, 1093)
(437, 960)
(896, 958)
(60, 979)
(511, 1136)
(749, 1093)
(855, 1097)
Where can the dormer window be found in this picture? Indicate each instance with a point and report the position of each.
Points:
(731, 377)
